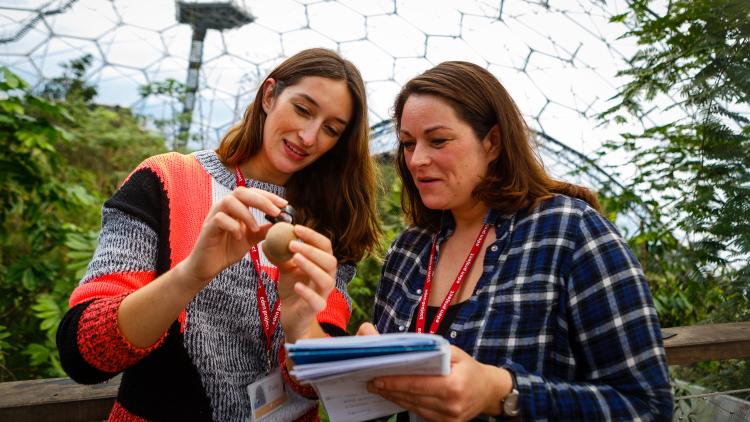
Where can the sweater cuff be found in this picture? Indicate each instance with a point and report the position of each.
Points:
(306, 391)
(100, 341)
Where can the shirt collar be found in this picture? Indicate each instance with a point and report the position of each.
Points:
(493, 217)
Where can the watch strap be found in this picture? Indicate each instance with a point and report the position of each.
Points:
(510, 403)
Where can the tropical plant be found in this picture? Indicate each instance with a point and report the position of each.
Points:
(688, 88)
(35, 208)
(362, 287)
(62, 156)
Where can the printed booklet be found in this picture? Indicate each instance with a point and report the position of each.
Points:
(340, 367)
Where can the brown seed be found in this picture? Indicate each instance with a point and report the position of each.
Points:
(276, 245)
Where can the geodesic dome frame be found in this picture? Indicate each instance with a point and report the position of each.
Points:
(557, 59)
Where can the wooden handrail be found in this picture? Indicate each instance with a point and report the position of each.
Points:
(56, 399)
(697, 343)
(61, 399)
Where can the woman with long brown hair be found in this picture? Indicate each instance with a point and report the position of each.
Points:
(180, 296)
(547, 309)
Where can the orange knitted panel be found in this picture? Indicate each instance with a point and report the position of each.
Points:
(336, 311)
(188, 188)
(110, 285)
(190, 199)
(101, 342)
(120, 414)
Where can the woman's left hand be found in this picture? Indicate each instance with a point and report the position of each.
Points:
(470, 389)
(305, 282)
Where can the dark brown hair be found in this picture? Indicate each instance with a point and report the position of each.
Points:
(516, 179)
(335, 195)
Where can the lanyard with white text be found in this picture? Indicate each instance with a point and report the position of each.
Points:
(454, 288)
(269, 319)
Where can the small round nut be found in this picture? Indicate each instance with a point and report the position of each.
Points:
(276, 245)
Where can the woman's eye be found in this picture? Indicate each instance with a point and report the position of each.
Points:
(438, 142)
(331, 131)
(301, 110)
(408, 145)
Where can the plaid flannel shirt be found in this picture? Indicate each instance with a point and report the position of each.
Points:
(562, 302)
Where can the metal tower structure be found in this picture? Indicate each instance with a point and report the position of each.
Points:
(219, 15)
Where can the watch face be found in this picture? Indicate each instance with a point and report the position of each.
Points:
(510, 404)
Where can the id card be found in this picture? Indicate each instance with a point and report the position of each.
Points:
(267, 395)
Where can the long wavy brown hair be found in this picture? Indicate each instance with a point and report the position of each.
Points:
(516, 179)
(335, 195)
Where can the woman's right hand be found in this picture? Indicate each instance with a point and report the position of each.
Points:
(229, 231)
(367, 329)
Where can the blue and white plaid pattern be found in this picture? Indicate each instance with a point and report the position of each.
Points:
(562, 302)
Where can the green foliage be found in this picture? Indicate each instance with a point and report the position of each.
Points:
(362, 287)
(175, 92)
(693, 171)
(71, 85)
(34, 203)
(62, 157)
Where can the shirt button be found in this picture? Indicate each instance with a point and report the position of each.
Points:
(453, 333)
(401, 328)
(419, 291)
(493, 248)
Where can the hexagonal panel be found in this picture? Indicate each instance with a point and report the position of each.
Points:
(490, 38)
(296, 41)
(253, 42)
(176, 40)
(86, 19)
(373, 63)
(33, 39)
(408, 68)
(524, 92)
(280, 15)
(24, 67)
(160, 15)
(371, 7)
(128, 46)
(442, 19)
(380, 97)
(168, 68)
(440, 49)
(396, 36)
(336, 21)
(61, 50)
(118, 85)
(226, 72)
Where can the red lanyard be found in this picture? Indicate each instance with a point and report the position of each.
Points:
(269, 319)
(454, 288)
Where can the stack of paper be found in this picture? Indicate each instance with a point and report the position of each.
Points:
(340, 367)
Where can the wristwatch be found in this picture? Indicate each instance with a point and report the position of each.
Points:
(510, 404)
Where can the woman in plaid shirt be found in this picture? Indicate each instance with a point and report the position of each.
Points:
(554, 321)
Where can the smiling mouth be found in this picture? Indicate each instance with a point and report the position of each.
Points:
(295, 149)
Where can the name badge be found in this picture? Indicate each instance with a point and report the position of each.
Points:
(267, 395)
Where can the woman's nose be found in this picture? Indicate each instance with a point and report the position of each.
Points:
(309, 134)
(419, 156)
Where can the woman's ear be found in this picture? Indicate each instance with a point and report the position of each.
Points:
(269, 85)
(491, 142)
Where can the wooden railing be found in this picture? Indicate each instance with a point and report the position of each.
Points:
(56, 399)
(61, 399)
(698, 343)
